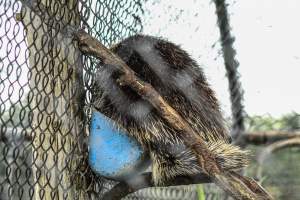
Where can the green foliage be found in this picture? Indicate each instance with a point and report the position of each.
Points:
(280, 171)
(200, 192)
(289, 121)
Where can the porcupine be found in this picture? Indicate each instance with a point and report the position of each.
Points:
(182, 83)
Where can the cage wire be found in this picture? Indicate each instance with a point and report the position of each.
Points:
(45, 94)
(45, 90)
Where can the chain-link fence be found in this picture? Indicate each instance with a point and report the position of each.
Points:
(43, 103)
(45, 92)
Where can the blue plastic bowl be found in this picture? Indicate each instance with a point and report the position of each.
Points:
(112, 153)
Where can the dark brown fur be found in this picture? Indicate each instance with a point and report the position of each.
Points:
(181, 82)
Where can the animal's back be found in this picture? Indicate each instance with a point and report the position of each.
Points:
(181, 82)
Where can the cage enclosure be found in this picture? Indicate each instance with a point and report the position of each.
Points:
(46, 96)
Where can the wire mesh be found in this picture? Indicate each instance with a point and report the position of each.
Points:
(45, 86)
(45, 93)
(44, 106)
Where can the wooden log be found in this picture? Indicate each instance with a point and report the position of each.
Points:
(54, 98)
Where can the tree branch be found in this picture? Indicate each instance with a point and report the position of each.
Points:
(265, 137)
(145, 180)
(278, 146)
(15, 134)
(273, 148)
(237, 186)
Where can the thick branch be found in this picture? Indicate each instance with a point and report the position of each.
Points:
(265, 137)
(145, 180)
(15, 134)
(236, 186)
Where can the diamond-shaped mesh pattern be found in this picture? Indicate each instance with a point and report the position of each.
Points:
(45, 86)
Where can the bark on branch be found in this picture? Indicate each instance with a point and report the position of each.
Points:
(145, 180)
(237, 186)
(267, 137)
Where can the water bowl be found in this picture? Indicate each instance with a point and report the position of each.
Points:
(113, 153)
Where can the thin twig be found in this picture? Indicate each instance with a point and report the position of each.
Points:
(278, 146)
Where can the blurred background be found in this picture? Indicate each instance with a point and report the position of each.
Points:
(258, 89)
